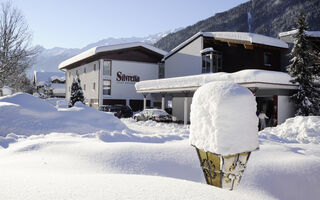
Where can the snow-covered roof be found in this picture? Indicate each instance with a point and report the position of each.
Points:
(54, 77)
(308, 33)
(58, 88)
(100, 49)
(245, 77)
(247, 37)
(6, 90)
(207, 50)
(41, 77)
(250, 38)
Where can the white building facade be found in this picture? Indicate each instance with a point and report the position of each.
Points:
(108, 74)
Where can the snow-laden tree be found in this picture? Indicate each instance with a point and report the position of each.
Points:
(15, 51)
(305, 71)
(76, 92)
(45, 91)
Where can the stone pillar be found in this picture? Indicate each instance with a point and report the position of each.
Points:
(185, 109)
(163, 95)
(144, 101)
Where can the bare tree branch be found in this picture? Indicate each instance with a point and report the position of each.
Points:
(15, 52)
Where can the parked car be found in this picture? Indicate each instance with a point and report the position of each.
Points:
(157, 115)
(168, 110)
(119, 111)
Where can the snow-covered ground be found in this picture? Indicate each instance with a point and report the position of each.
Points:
(144, 160)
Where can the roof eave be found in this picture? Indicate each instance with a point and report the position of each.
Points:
(261, 85)
(93, 51)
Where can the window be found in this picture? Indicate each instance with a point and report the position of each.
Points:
(94, 67)
(206, 63)
(94, 101)
(85, 70)
(216, 62)
(267, 59)
(106, 87)
(84, 87)
(107, 68)
(94, 86)
(161, 70)
(212, 62)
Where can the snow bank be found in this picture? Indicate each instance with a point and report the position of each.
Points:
(23, 114)
(298, 129)
(70, 166)
(243, 76)
(55, 101)
(10, 138)
(112, 186)
(74, 166)
(223, 119)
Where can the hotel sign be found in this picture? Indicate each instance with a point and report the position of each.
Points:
(127, 78)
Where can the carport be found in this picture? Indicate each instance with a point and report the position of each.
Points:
(263, 84)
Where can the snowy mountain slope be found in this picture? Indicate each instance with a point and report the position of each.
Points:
(49, 59)
(266, 17)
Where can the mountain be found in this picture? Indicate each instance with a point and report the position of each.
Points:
(267, 17)
(49, 59)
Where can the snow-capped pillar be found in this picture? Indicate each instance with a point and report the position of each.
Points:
(223, 140)
(145, 100)
(163, 95)
(211, 63)
(185, 108)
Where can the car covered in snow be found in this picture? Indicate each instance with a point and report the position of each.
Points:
(120, 111)
(157, 115)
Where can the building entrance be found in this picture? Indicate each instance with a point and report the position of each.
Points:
(268, 105)
(137, 105)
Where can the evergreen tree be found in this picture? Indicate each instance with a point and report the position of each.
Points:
(305, 71)
(76, 93)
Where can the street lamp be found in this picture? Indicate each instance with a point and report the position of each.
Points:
(223, 171)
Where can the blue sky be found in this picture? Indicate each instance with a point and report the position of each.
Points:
(76, 23)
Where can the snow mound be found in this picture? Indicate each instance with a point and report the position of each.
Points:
(23, 114)
(223, 119)
(57, 102)
(297, 130)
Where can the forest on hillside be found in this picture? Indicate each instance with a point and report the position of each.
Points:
(267, 17)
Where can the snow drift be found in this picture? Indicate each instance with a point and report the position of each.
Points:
(297, 130)
(77, 166)
(23, 114)
(70, 166)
